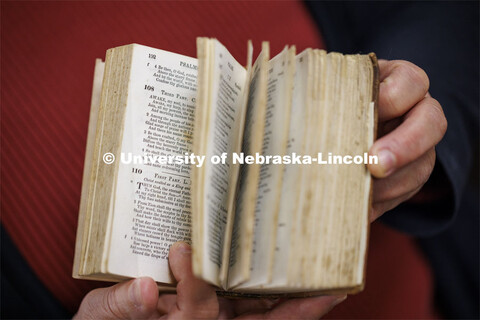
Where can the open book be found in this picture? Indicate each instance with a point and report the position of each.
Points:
(251, 165)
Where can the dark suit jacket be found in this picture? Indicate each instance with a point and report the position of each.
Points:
(443, 39)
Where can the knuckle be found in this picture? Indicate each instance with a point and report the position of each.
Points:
(90, 296)
(416, 74)
(441, 120)
(403, 91)
(432, 156)
(89, 305)
(436, 116)
(403, 145)
(425, 169)
(422, 77)
(390, 91)
(111, 305)
(422, 178)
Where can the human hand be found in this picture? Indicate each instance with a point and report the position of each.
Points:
(139, 299)
(410, 124)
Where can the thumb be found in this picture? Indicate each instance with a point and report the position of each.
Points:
(133, 299)
(195, 298)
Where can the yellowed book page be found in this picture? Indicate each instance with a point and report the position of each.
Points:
(292, 172)
(202, 105)
(311, 225)
(234, 174)
(92, 125)
(152, 198)
(366, 94)
(359, 116)
(228, 84)
(308, 174)
(242, 236)
(331, 127)
(110, 123)
(340, 229)
(297, 233)
(308, 209)
(277, 121)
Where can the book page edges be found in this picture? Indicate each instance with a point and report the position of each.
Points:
(199, 137)
(89, 149)
(108, 135)
(289, 84)
(223, 277)
(374, 100)
(250, 198)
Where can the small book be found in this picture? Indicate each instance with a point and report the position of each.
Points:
(262, 168)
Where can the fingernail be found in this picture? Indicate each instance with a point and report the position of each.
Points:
(135, 292)
(386, 160)
(182, 247)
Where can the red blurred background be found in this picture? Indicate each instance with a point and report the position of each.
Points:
(48, 51)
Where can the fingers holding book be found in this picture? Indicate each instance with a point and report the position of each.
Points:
(195, 298)
(411, 124)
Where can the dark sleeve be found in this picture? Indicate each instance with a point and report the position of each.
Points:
(23, 295)
(442, 38)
